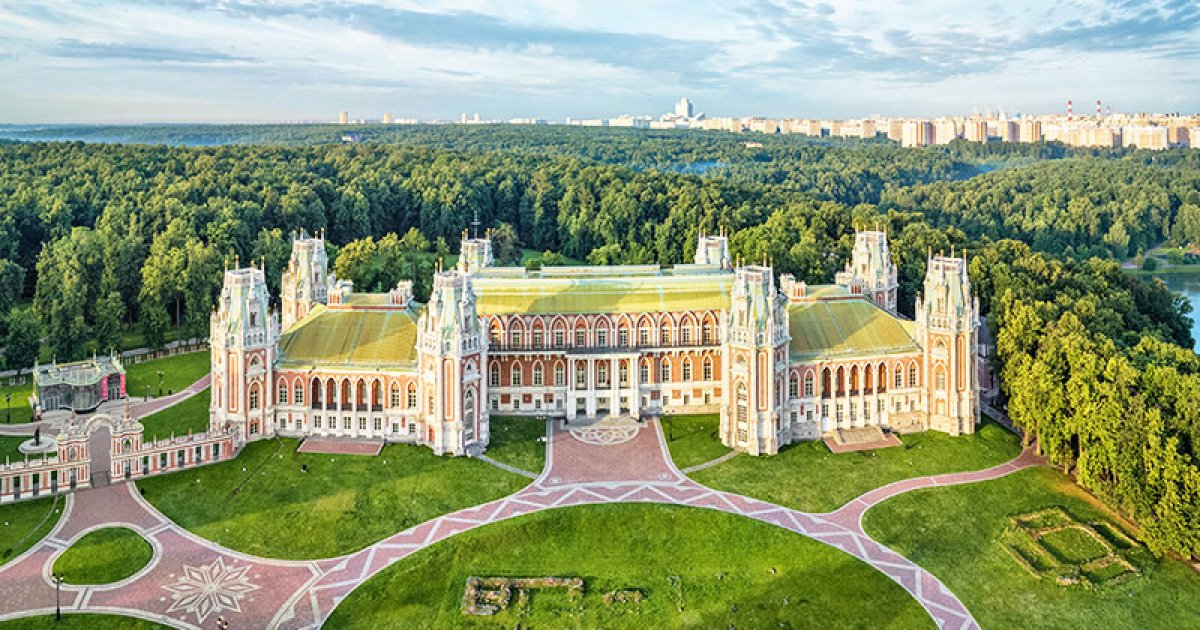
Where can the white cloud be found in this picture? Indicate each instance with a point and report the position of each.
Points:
(290, 59)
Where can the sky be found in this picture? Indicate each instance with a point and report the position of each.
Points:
(128, 61)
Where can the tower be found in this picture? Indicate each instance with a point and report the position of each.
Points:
(451, 353)
(756, 344)
(243, 341)
(871, 271)
(305, 281)
(713, 250)
(948, 332)
(475, 255)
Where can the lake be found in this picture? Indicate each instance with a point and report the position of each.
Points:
(1187, 283)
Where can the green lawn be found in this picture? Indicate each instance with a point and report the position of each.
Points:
(807, 477)
(8, 447)
(955, 533)
(179, 371)
(724, 571)
(180, 418)
(343, 502)
(72, 620)
(514, 441)
(24, 523)
(104, 556)
(17, 409)
(693, 439)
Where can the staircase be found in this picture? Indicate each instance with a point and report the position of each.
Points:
(100, 479)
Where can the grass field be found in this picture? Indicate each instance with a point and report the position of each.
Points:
(180, 418)
(693, 439)
(724, 571)
(262, 503)
(104, 556)
(179, 371)
(806, 476)
(8, 448)
(514, 441)
(955, 532)
(18, 409)
(24, 523)
(80, 621)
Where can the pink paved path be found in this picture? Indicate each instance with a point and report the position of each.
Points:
(191, 581)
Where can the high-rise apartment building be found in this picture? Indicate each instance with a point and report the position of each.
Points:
(387, 118)
(683, 108)
(1031, 130)
(917, 133)
(344, 118)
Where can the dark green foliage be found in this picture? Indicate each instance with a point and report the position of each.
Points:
(21, 343)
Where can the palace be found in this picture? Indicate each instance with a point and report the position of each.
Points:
(780, 361)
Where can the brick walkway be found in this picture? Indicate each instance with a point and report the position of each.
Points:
(191, 581)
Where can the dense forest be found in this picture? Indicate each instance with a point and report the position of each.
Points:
(102, 241)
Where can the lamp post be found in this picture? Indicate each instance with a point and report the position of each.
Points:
(160, 376)
(7, 407)
(147, 392)
(58, 580)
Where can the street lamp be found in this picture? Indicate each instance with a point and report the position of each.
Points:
(7, 407)
(58, 580)
(160, 375)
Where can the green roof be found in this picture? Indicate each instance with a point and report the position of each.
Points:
(347, 337)
(367, 299)
(635, 289)
(845, 328)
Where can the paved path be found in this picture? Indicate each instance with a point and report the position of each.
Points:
(191, 581)
(710, 463)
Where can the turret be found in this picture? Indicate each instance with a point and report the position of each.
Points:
(948, 331)
(475, 254)
(713, 250)
(306, 279)
(452, 351)
(756, 343)
(871, 271)
(243, 340)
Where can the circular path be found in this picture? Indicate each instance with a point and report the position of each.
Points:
(191, 581)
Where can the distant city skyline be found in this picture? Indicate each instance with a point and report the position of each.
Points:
(134, 61)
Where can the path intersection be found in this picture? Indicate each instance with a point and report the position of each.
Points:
(191, 581)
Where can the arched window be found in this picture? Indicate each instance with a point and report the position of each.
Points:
(644, 334)
(298, 393)
(515, 375)
(687, 370)
(395, 396)
(559, 338)
(808, 384)
(623, 374)
(707, 332)
(623, 336)
(254, 396)
(644, 372)
(602, 374)
(941, 378)
(494, 334)
(912, 375)
(899, 380)
(283, 392)
(664, 334)
(664, 371)
(708, 369)
(602, 337)
(514, 338)
(538, 376)
(685, 332)
(580, 375)
(494, 375)
(412, 396)
(794, 386)
(560, 377)
(580, 337)
(538, 338)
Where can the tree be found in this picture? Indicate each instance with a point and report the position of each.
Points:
(23, 340)
(505, 246)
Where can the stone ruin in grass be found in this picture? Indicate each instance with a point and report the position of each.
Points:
(1050, 544)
